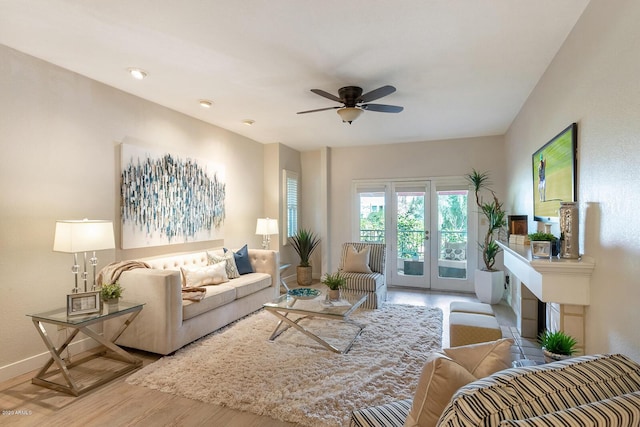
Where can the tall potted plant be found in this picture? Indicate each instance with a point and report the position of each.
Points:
(489, 282)
(304, 242)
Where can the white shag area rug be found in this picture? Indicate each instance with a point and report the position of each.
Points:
(295, 379)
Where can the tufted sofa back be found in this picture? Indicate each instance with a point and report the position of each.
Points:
(262, 261)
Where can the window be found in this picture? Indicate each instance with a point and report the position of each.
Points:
(290, 198)
(371, 213)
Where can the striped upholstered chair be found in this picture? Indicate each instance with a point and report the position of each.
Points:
(369, 280)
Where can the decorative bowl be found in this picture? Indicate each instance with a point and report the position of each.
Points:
(304, 293)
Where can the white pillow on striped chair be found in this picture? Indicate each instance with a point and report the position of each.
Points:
(440, 378)
(357, 261)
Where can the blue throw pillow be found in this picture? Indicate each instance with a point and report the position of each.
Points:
(242, 260)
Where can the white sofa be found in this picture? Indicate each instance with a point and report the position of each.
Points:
(167, 322)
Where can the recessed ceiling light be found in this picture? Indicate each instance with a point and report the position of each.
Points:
(137, 73)
(248, 122)
(205, 103)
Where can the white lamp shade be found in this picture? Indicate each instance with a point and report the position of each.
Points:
(83, 236)
(267, 226)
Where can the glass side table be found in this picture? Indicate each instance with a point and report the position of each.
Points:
(107, 348)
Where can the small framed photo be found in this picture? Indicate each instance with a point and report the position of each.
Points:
(83, 303)
(541, 249)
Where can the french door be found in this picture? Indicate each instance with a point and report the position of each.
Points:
(454, 254)
(425, 225)
(408, 248)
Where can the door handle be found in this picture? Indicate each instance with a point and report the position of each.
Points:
(426, 235)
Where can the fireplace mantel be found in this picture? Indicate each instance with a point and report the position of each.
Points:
(561, 281)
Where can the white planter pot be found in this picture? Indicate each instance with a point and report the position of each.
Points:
(489, 286)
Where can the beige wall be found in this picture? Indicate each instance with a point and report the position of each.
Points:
(594, 81)
(277, 158)
(455, 157)
(59, 138)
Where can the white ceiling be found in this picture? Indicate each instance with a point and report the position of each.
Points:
(462, 68)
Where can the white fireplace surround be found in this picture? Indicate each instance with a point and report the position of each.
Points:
(564, 284)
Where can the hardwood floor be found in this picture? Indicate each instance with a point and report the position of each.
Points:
(121, 404)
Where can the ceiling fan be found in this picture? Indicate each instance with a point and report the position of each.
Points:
(355, 102)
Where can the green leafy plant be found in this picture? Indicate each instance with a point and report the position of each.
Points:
(493, 212)
(557, 342)
(542, 237)
(334, 281)
(111, 291)
(304, 242)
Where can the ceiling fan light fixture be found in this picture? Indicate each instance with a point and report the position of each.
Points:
(349, 114)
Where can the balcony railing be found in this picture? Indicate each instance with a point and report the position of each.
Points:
(411, 242)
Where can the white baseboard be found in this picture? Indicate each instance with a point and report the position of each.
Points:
(36, 362)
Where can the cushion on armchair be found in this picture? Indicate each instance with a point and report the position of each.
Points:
(444, 374)
(357, 261)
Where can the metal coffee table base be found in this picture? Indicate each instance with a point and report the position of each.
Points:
(285, 323)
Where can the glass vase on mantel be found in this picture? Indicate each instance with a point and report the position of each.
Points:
(569, 230)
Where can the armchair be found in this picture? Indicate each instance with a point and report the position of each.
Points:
(372, 282)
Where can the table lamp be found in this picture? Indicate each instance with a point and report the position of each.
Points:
(73, 236)
(266, 227)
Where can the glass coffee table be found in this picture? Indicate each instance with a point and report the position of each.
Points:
(311, 304)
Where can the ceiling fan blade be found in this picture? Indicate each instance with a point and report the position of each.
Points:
(326, 95)
(382, 108)
(319, 109)
(377, 93)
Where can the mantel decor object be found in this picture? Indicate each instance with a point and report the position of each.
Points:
(541, 249)
(569, 230)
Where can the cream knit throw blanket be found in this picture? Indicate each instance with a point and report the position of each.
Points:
(111, 273)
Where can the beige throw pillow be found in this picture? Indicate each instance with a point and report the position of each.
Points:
(213, 274)
(443, 374)
(232, 269)
(357, 261)
(483, 359)
(440, 378)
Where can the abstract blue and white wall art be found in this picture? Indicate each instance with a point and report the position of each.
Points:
(167, 199)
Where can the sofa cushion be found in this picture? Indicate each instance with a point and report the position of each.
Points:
(357, 261)
(248, 284)
(216, 296)
(230, 263)
(213, 274)
(483, 359)
(520, 393)
(243, 263)
(363, 282)
(621, 410)
(440, 378)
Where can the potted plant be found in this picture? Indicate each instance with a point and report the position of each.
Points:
(110, 293)
(304, 242)
(489, 282)
(557, 345)
(536, 238)
(334, 282)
